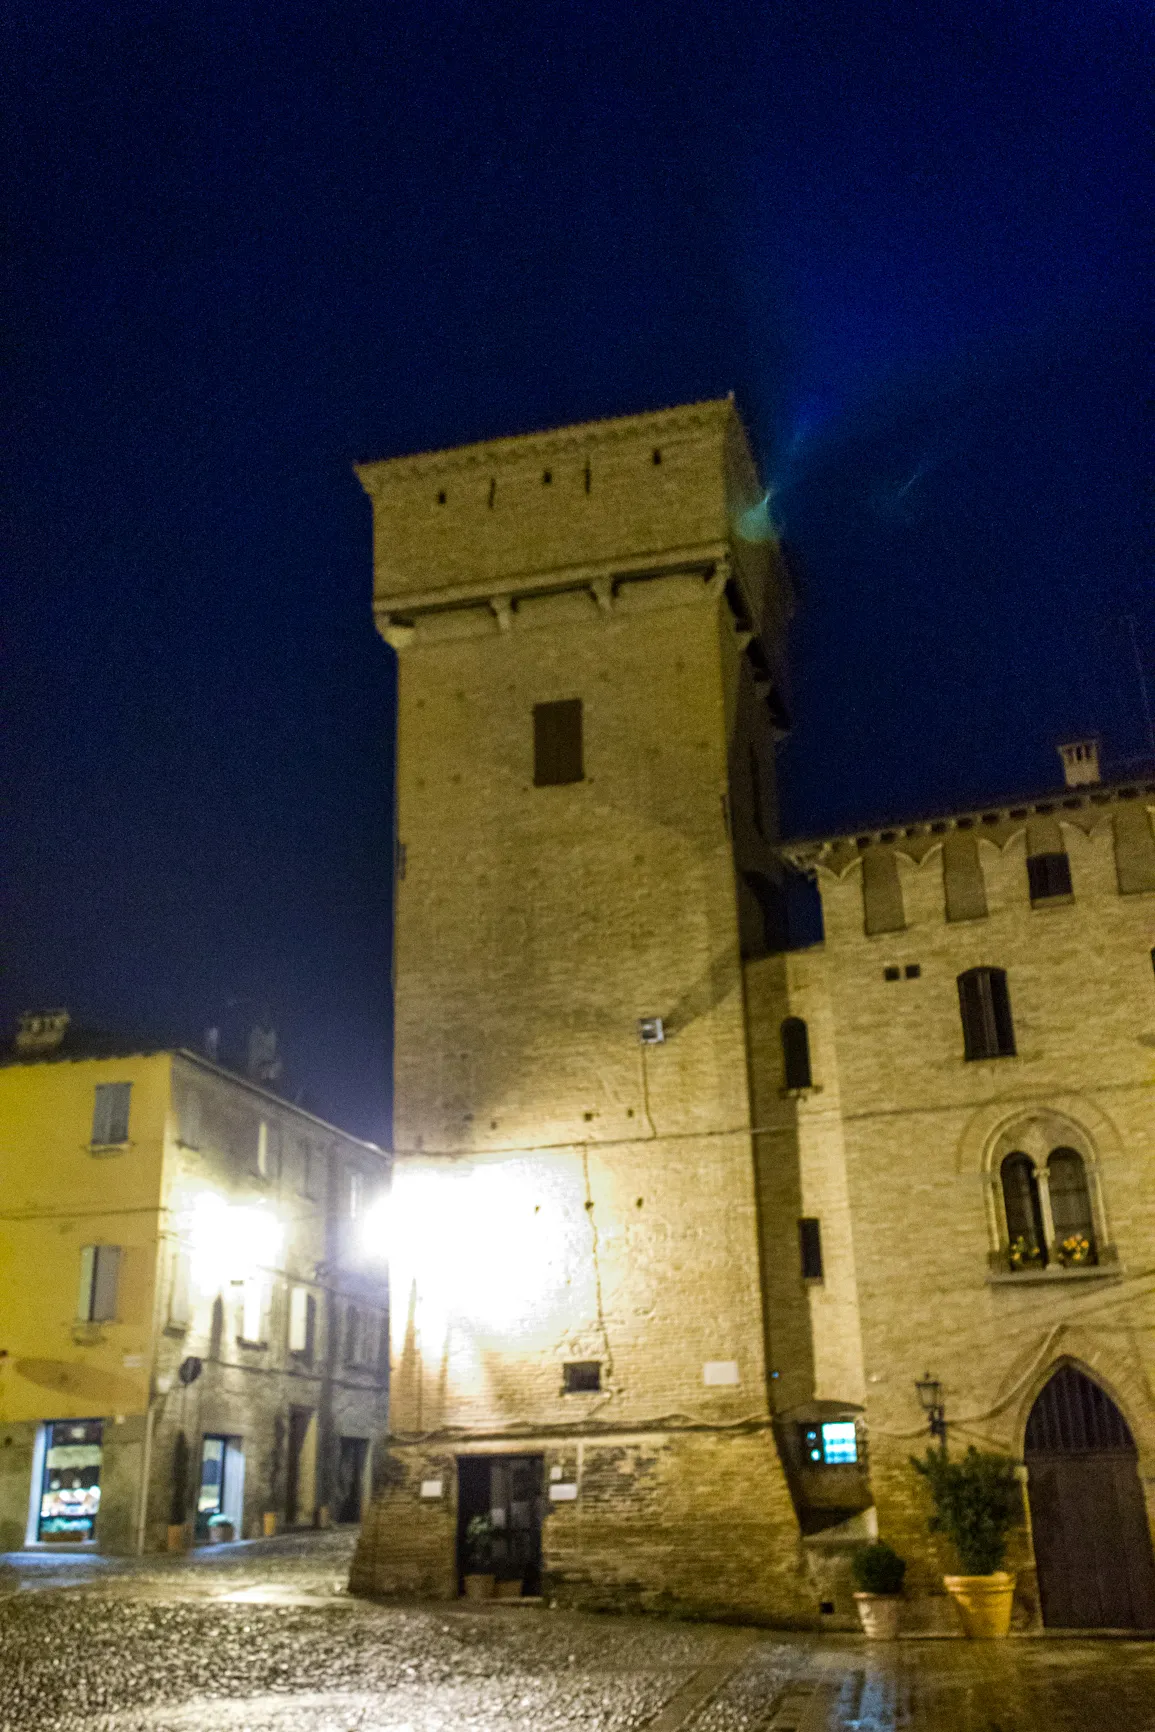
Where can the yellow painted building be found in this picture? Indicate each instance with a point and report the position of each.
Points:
(190, 1318)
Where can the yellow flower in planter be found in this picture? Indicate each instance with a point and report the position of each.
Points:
(1075, 1249)
(1023, 1253)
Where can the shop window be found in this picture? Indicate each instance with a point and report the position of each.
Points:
(985, 1008)
(581, 1376)
(810, 1248)
(110, 1114)
(99, 1280)
(833, 1443)
(557, 743)
(795, 1054)
(69, 1499)
(1026, 1239)
(302, 1322)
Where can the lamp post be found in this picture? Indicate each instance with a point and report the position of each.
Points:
(930, 1396)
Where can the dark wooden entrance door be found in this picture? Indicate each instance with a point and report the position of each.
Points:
(1092, 1540)
(295, 1487)
(509, 1489)
(351, 1456)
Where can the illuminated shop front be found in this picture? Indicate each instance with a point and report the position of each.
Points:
(70, 1481)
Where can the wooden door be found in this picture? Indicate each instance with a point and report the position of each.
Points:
(1088, 1515)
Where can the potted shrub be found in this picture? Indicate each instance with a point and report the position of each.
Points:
(479, 1578)
(977, 1502)
(221, 1531)
(878, 1572)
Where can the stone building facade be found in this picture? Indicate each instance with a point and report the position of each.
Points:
(976, 1140)
(679, 1216)
(192, 1315)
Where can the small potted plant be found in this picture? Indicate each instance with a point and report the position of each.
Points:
(878, 1572)
(1074, 1250)
(1023, 1253)
(479, 1577)
(221, 1530)
(977, 1502)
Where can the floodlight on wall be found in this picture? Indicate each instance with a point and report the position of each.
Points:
(651, 1030)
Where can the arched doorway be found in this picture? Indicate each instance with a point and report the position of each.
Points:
(1092, 1541)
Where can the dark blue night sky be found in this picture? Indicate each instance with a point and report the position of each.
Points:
(252, 244)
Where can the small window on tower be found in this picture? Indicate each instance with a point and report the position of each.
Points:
(557, 743)
(581, 1377)
(1049, 875)
(810, 1248)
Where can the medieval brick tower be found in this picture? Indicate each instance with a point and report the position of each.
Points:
(590, 628)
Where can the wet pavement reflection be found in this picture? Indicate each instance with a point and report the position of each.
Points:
(263, 1638)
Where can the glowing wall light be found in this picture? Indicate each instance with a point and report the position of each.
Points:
(230, 1242)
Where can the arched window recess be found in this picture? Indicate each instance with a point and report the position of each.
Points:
(797, 1077)
(1047, 1208)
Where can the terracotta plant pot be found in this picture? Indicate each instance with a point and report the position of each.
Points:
(269, 1523)
(508, 1590)
(177, 1537)
(479, 1587)
(984, 1602)
(221, 1534)
(878, 1615)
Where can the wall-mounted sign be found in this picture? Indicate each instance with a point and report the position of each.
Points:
(562, 1493)
(432, 1488)
(720, 1371)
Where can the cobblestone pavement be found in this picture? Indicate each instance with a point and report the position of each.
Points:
(262, 1638)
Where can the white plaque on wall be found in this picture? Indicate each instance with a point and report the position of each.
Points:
(720, 1371)
(562, 1493)
(431, 1488)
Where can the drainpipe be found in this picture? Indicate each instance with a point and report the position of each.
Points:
(145, 1470)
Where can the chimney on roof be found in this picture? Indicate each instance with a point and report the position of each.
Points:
(41, 1030)
(264, 1066)
(1080, 762)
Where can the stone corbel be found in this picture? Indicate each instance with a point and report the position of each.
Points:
(397, 633)
(502, 611)
(603, 594)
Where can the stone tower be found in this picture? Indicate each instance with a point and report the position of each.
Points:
(590, 630)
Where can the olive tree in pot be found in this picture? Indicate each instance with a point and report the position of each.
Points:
(977, 1501)
(479, 1577)
(878, 1572)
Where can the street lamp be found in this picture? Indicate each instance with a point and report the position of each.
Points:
(930, 1395)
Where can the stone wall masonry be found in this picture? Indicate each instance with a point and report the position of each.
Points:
(923, 1132)
(697, 1524)
(514, 513)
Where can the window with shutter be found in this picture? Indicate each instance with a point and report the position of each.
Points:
(557, 743)
(179, 1300)
(1049, 875)
(302, 1322)
(985, 1008)
(252, 1309)
(99, 1281)
(110, 1114)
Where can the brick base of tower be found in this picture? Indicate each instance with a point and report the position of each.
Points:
(696, 1524)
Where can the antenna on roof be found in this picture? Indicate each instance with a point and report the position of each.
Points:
(1144, 694)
